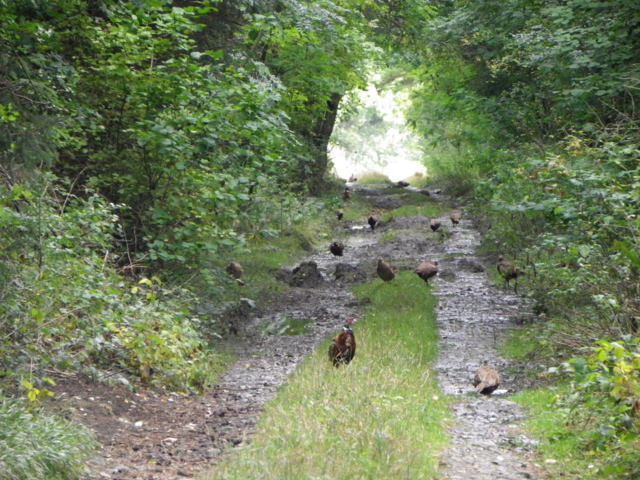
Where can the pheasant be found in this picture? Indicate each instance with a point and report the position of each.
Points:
(426, 270)
(343, 347)
(372, 221)
(336, 248)
(455, 218)
(346, 195)
(434, 224)
(385, 272)
(339, 214)
(486, 380)
(403, 184)
(236, 271)
(509, 272)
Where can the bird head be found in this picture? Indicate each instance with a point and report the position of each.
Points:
(351, 320)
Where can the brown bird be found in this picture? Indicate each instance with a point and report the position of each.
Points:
(434, 224)
(455, 218)
(236, 271)
(346, 195)
(426, 270)
(372, 221)
(343, 347)
(486, 380)
(339, 214)
(336, 248)
(353, 178)
(509, 272)
(403, 184)
(385, 272)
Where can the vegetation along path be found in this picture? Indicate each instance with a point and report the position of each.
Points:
(158, 437)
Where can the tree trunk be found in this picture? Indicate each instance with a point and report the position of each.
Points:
(320, 139)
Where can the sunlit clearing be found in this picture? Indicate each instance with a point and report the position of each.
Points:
(374, 137)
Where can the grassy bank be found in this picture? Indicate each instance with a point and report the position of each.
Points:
(380, 417)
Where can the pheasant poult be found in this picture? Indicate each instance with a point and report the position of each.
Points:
(372, 221)
(434, 224)
(343, 347)
(346, 195)
(455, 218)
(336, 248)
(486, 380)
(236, 271)
(426, 270)
(385, 272)
(509, 272)
(403, 184)
(339, 214)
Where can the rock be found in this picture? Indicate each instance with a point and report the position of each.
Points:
(306, 275)
(470, 265)
(345, 272)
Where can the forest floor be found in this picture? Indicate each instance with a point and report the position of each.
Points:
(150, 435)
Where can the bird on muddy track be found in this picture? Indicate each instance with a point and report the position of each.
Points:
(486, 380)
(426, 270)
(434, 224)
(455, 218)
(343, 347)
(336, 248)
(339, 214)
(509, 272)
(372, 221)
(385, 271)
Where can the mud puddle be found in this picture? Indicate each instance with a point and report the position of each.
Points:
(156, 436)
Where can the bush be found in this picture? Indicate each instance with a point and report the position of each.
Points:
(606, 387)
(63, 303)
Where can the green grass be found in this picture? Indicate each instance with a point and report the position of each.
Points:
(388, 236)
(372, 178)
(428, 209)
(37, 446)
(379, 417)
(547, 422)
(518, 344)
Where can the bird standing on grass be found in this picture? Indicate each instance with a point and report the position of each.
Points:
(509, 272)
(434, 224)
(236, 271)
(339, 214)
(486, 380)
(343, 347)
(426, 270)
(385, 272)
(346, 195)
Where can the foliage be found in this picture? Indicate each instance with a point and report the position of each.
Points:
(607, 383)
(37, 446)
(62, 304)
(393, 409)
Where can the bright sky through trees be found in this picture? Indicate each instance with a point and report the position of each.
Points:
(375, 138)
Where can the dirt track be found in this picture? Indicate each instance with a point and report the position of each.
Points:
(157, 436)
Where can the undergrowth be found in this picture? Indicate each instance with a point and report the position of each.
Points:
(379, 417)
(38, 446)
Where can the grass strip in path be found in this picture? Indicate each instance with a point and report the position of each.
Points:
(380, 417)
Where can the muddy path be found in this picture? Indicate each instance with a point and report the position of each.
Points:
(154, 436)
